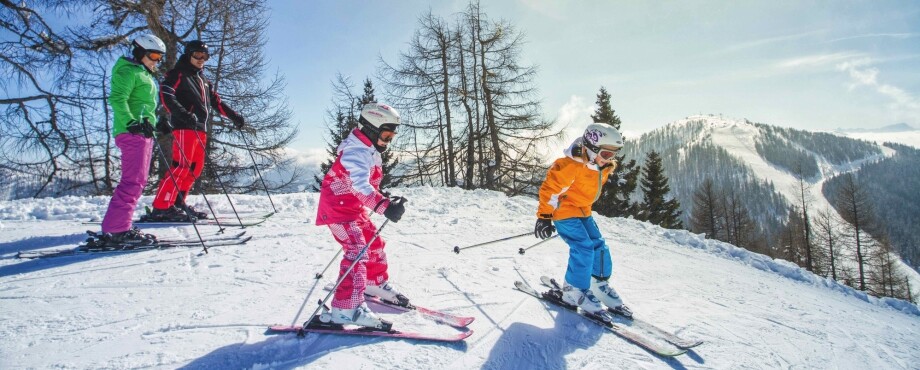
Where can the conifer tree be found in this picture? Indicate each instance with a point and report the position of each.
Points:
(343, 118)
(655, 208)
(614, 199)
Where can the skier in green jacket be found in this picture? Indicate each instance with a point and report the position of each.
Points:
(134, 100)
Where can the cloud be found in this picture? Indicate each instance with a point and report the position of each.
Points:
(575, 115)
(766, 41)
(818, 60)
(862, 73)
(871, 35)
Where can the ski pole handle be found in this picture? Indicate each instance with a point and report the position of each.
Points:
(522, 250)
(457, 249)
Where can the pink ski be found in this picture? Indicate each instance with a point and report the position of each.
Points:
(373, 332)
(438, 316)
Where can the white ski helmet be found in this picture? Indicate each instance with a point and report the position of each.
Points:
(377, 115)
(601, 135)
(150, 43)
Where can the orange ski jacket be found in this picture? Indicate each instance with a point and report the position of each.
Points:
(572, 185)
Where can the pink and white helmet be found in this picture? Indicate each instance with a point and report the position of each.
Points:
(379, 114)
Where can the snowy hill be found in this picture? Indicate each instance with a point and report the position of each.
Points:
(181, 309)
(901, 133)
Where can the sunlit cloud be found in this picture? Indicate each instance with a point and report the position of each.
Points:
(863, 74)
(766, 41)
(874, 35)
(818, 60)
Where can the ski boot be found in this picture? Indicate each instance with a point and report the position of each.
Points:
(132, 237)
(360, 316)
(180, 203)
(195, 213)
(171, 214)
(609, 297)
(388, 293)
(584, 299)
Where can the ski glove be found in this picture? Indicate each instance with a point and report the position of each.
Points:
(140, 128)
(163, 125)
(238, 122)
(544, 228)
(396, 209)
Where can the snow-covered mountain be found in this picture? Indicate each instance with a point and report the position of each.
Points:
(900, 133)
(760, 163)
(183, 309)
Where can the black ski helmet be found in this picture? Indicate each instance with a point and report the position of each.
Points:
(196, 45)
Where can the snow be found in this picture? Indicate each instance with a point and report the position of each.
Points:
(181, 308)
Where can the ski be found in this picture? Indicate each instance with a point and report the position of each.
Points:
(436, 315)
(338, 329)
(635, 338)
(224, 221)
(83, 249)
(207, 238)
(637, 322)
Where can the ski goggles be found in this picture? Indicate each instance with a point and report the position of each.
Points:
(607, 153)
(387, 136)
(155, 56)
(200, 56)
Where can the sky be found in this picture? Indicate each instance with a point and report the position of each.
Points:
(815, 65)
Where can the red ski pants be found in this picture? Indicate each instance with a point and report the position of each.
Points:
(188, 161)
(372, 266)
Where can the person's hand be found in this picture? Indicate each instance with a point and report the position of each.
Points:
(238, 122)
(140, 128)
(396, 209)
(544, 228)
(163, 126)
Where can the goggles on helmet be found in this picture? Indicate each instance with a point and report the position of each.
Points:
(198, 55)
(387, 136)
(155, 56)
(608, 153)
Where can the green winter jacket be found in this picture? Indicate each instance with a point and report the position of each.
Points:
(134, 94)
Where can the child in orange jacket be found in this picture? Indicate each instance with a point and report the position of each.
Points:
(572, 185)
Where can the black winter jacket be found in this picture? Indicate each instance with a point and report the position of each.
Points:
(188, 96)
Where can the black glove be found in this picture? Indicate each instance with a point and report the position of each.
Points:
(163, 125)
(238, 121)
(140, 128)
(396, 209)
(544, 228)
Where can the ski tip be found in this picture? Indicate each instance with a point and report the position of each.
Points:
(274, 329)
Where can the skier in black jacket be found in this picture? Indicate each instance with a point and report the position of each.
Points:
(188, 98)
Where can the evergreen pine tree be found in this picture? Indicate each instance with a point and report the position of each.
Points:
(344, 118)
(655, 209)
(614, 199)
(387, 159)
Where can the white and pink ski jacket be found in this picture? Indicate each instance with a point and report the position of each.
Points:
(352, 185)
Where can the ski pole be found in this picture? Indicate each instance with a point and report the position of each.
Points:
(176, 184)
(320, 274)
(341, 278)
(220, 227)
(522, 250)
(256, 166)
(222, 187)
(457, 249)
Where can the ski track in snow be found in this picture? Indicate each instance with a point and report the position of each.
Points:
(181, 308)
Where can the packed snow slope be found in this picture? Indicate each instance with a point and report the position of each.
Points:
(183, 309)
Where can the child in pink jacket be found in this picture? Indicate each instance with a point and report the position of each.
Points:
(349, 189)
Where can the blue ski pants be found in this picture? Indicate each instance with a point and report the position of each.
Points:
(588, 253)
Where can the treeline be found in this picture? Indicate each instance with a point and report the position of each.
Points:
(55, 131)
(891, 188)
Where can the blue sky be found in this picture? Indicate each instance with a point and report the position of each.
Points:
(817, 65)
